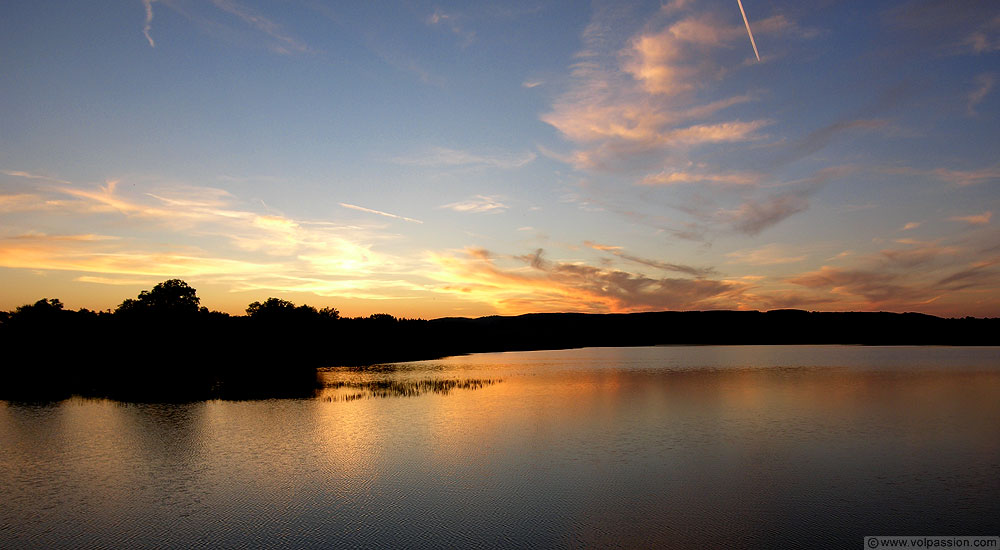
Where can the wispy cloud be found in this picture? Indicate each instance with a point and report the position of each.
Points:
(968, 177)
(699, 272)
(604, 247)
(478, 204)
(939, 276)
(949, 28)
(444, 157)
(986, 38)
(755, 215)
(917, 253)
(22, 202)
(974, 219)
(377, 212)
(819, 138)
(29, 175)
(672, 177)
(980, 274)
(81, 253)
(451, 22)
(206, 234)
(148, 26)
(533, 283)
(956, 177)
(282, 42)
(910, 225)
(634, 96)
(984, 85)
(116, 281)
(875, 287)
(532, 83)
(769, 254)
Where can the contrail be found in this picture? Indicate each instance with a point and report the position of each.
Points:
(378, 212)
(752, 41)
(149, 22)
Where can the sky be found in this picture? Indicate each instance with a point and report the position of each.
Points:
(478, 158)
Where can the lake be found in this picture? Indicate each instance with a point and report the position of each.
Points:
(670, 447)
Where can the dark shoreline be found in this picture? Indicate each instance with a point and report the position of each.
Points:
(207, 355)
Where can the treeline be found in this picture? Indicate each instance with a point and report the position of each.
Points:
(163, 345)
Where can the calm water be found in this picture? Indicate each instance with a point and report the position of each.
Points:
(673, 447)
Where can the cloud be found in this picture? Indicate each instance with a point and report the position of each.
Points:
(450, 20)
(604, 247)
(876, 287)
(478, 204)
(444, 157)
(661, 61)
(283, 43)
(986, 38)
(634, 96)
(821, 137)
(148, 26)
(769, 254)
(377, 212)
(911, 225)
(967, 177)
(208, 235)
(974, 219)
(674, 60)
(28, 175)
(918, 254)
(117, 281)
(946, 27)
(532, 83)
(538, 284)
(21, 202)
(961, 178)
(984, 85)
(978, 275)
(672, 177)
(755, 215)
(84, 253)
(928, 276)
(699, 272)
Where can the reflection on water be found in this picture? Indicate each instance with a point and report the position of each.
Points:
(669, 447)
(371, 389)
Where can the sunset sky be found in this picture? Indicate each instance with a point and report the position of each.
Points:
(437, 159)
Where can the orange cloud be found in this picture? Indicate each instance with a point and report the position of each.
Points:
(770, 254)
(87, 253)
(640, 99)
(974, 219)
(286, 254)
(537, 284)
(672, 177)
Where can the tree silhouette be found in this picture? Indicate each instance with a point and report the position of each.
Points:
(330, 313)
(270, 308)
(276, 309)
(171, 297)
(45, 309)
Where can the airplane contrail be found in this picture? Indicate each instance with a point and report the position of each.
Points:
(745, 21)
(149, 22)
(378, 212)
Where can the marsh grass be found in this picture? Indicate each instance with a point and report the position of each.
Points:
(374, 389)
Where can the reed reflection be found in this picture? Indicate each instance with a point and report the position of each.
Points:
(373, 389)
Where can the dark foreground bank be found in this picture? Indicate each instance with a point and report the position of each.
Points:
(163, 347)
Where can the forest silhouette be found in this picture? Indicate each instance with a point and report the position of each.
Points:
(164, 346)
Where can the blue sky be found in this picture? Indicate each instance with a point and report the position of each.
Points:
(430, 159)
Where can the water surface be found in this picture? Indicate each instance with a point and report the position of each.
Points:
(674, 447)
